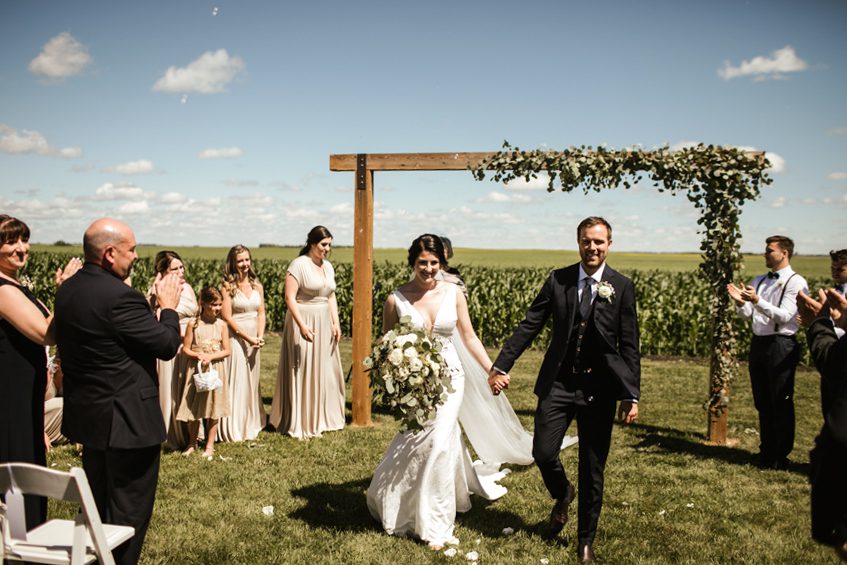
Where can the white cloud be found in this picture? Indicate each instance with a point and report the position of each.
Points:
(781, 61)
(837, 176)
(344, 208)
(134, 208)
(501, 198)
(222, 153)
(140, 167)
(777, 161)
(110, 191)
(208, 74)
(61, 57)
(173, 198)
(539, 183)
(26, 141)
(809, 201)
(837, 131)
(778, 202)
(471, 214)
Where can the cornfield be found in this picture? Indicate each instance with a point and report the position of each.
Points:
(673, 308)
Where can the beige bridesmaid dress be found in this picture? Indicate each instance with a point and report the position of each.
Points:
(247, 415)
(309, 395)
(172, 377)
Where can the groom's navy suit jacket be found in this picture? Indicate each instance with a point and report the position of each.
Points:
(617, 359)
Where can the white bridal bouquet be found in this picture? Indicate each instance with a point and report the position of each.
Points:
(409, 374)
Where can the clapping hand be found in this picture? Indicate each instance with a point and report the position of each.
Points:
(809, 309)
(70, 270)
(168, 288)
(735, 292)
(837, 305)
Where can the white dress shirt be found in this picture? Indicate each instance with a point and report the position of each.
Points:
(595, 279)
(770, 315)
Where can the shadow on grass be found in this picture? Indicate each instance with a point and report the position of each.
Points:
(343, 508)
(338, 507)
(490, 521)
(676, 441)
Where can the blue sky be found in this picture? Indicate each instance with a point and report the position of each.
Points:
(211, 123)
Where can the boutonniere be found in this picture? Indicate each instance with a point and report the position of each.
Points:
(605, 291)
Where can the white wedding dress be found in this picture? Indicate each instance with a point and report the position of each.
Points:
(427, 476)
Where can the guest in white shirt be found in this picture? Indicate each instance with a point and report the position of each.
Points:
(770, 301)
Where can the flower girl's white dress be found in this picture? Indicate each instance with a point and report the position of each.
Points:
(427, 476)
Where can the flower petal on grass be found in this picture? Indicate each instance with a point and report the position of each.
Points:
(268, 510)
(450, 552)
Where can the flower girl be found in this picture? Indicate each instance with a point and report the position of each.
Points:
(206, 395)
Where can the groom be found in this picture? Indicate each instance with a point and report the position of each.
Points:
(592, 361)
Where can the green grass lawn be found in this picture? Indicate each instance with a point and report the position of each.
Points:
(669, 497)
(808, 266)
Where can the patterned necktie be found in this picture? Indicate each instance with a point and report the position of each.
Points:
(585, 301)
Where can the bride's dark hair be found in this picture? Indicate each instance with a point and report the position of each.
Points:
(427, 242)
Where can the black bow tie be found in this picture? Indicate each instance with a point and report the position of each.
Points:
(773, 275)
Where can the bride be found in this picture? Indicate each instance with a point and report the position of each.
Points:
(427, 476)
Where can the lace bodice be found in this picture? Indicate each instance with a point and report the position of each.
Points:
(445, 319)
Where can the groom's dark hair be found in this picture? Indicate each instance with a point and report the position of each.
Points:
(592, 221)
(427, 242)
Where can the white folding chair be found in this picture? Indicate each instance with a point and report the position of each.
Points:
(77, 541)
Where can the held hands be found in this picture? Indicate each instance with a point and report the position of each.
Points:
(628, 411)
(168, 289)
(70, 270)
(497, 381)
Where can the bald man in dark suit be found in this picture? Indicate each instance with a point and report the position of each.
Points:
(109, 341)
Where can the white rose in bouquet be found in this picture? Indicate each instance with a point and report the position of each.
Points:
(395, 357)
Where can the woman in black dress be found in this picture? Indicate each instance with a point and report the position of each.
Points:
(23, 361)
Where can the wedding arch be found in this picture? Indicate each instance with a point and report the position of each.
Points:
(717, 180)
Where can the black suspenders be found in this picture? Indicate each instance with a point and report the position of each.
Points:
(781, 295)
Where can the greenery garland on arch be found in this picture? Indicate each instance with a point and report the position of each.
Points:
(717, 180)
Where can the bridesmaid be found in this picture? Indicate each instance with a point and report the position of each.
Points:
(309, 395)
(172, 372)
(244, 312)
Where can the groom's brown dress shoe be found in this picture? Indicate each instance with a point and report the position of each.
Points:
(585, 554)
(559, 514)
